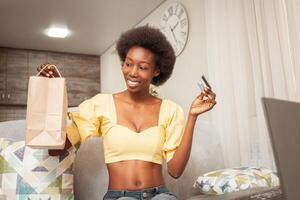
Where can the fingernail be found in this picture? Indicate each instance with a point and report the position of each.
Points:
(47, 74)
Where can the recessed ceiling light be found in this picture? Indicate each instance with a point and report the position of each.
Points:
(58, 32)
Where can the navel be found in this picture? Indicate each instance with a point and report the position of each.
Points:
(138, 183)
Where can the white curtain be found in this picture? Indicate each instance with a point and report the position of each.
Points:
(252, 51)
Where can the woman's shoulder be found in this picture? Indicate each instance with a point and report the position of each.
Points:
(171, 106)
(98, 99)
(101, 96)
(170, 103)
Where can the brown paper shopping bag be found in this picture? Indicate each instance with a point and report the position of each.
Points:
(46, 117)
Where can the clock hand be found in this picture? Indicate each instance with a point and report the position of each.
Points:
(174, 35)
(173, 31)
(174, 26)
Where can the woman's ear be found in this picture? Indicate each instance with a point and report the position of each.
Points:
(157, 72)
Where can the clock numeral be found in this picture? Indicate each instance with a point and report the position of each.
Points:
(183, 22)
(170, 10)
(165, 17)
(176, 9)
(180, 13)
(183, 34)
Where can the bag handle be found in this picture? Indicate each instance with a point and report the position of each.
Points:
(49, 65)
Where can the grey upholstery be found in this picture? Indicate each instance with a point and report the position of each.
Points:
(13, 129)
(261, 193)
(90, 172)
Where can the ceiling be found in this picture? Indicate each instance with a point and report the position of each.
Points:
(95, 24)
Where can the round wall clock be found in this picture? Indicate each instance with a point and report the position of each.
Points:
(174, 24)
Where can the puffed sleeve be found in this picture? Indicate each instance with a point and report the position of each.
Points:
(173, 132)
(84, 124)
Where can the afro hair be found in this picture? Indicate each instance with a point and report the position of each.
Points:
(154, 40)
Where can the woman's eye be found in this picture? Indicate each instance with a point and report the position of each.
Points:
(128, 64)
(143, 68)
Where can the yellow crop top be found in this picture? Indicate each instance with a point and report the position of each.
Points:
(97, 117)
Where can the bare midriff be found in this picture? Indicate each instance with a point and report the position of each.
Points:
(134, 175)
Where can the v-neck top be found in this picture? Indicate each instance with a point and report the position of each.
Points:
(98, 117)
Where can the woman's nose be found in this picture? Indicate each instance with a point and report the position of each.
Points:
(134, 71)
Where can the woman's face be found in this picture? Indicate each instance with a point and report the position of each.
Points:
(139, 68)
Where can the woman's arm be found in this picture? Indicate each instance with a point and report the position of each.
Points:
(203, 103)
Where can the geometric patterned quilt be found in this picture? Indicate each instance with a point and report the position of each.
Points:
(27, 173)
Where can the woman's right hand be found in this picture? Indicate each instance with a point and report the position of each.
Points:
(58, 152)
(50, 71)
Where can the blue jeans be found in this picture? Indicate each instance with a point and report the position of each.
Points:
(155, 193)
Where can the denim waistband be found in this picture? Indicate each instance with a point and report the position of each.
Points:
(139, 194)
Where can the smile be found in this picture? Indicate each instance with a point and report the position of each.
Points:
(133, 83)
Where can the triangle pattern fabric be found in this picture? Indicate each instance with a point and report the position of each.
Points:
(34, 167)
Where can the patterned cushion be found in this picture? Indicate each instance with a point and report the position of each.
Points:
(31, 174)
(235, 179)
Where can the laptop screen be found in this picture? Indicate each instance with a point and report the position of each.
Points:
(283, 120)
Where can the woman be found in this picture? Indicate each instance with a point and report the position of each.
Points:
(138, 129)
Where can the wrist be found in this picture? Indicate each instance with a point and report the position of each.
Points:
(192, 113)
(192, 116)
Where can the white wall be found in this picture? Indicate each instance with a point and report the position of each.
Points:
(181, 88)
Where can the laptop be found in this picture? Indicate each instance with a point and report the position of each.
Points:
(283, 121)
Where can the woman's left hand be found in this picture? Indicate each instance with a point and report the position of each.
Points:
(204, 102)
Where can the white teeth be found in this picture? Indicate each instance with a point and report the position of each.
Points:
(132, 83)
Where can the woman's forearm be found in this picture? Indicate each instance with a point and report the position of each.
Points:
(177, 164)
